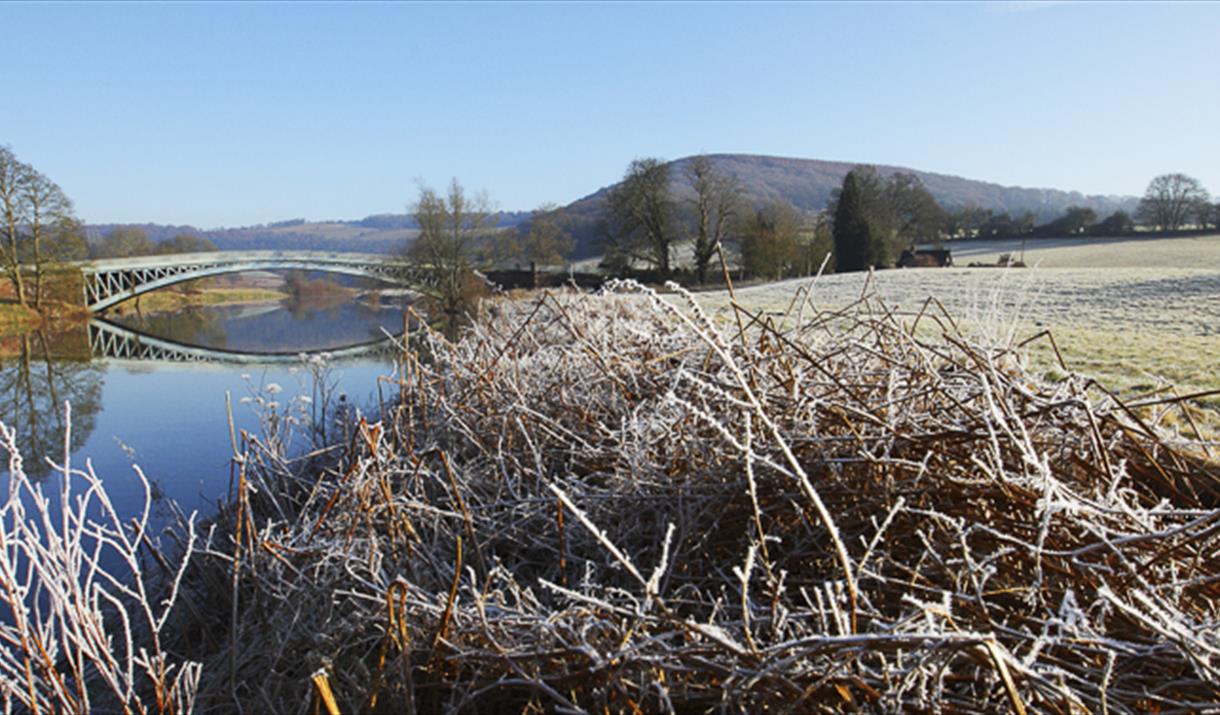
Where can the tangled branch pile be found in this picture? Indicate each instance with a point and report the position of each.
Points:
(612, 503)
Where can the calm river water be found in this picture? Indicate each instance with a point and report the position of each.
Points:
(170, 418)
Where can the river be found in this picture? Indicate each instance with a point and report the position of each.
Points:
(170, 418)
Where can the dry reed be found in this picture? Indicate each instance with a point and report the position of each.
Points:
(611, 504)
(82, 625)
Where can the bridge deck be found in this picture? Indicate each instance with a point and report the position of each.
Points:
(214, 257)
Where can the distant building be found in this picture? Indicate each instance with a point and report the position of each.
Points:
(926, 258)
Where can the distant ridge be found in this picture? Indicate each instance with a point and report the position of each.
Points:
(808, 183)
(378, 233)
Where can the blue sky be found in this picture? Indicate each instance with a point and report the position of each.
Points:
(233, 114)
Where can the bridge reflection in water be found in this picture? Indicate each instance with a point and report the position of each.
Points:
(112, 341)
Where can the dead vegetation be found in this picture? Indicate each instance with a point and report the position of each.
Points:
(611, 503)
(614, 504)
(82, 621)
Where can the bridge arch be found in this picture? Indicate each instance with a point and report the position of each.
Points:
(112, 281)
(112, 341)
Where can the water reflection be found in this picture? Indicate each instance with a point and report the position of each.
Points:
(112, 341)
(289, 327)
(44, 371)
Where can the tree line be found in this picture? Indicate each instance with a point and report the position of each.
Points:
(647, 229)
(869, 221)
(1171, 203)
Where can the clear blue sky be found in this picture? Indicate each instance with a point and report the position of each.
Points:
(232, 114)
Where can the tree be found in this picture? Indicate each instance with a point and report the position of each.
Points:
(13, 177)
(124, 241)
(769, 241)
(911, 212)
(640, 216)
(543, 240)
(34, 212)
(1170, 200)
(855, 236)
(185, 243)
(814, 243)
(1076, 220)
(900, 210)
(448, 227)
(1208, 215)
(966, 221)
(1116, 224)
(1005, 226)
(714, 206)
(47, 209)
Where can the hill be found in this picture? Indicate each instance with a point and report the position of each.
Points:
(808, 183)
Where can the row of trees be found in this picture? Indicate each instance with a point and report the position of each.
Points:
(1172, 202)
(456, 235)
(644, 224)
(125, 241)
(868, 222)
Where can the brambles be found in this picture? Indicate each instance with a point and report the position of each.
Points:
(609, 502)
(614, 503)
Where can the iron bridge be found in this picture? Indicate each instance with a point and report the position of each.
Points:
(112, 281)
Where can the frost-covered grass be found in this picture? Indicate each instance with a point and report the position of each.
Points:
(1134, 329)
(612, 504)
(617, 504)
(1090, 252)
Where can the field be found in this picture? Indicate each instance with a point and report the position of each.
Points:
(1136, 314)
(1128, 252)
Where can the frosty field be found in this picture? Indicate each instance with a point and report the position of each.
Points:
(1133, 323)
(1094, 252)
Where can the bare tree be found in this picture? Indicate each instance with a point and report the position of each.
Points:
(1170, 200)
(640, 221)
(716, 201)
(448, 228)
(1208, 215)
(543, 240)
(770, 246)
(47, 210)
(13, 177)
